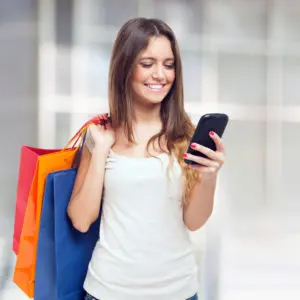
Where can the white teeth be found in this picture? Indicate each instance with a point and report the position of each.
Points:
(155, 86)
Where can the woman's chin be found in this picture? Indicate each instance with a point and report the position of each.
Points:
(150, 98)
(155, 99)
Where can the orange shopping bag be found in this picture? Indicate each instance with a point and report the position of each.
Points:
(24, 274)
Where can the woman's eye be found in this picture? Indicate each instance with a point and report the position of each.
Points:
(170, 66)
(146, 65)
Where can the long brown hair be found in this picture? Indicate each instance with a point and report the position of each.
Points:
(177, 128)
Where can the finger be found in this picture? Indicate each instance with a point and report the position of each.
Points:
(218, 141)
(96, 120)
(103, 119)
(205, 150)
(202, 160)
(99, 119)
(108, 125)
(101, 127)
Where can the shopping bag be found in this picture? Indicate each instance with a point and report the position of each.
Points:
(28, 161)
(24, 273)
(63, 253)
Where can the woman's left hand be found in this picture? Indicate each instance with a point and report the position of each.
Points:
(215, 159)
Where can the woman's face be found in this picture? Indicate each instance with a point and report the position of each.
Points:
(154, 72)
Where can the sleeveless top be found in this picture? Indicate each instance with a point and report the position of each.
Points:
(144, 250)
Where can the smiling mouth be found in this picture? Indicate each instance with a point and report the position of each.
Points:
(155, 87)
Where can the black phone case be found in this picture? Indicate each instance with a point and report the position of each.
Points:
(215, 122)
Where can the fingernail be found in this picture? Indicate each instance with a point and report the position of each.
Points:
(184, 155)
(211, 133)
(193, 145)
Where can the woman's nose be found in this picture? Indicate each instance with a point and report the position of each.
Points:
(159, 73)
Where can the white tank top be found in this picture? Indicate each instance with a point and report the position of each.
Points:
(144, 251)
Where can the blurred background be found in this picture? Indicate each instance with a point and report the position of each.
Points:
(241, 57)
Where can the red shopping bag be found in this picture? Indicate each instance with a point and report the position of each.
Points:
(28, 160)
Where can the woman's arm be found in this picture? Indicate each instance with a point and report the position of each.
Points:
(201, 201)
(84, 206)
(85, 201)
(200, 206)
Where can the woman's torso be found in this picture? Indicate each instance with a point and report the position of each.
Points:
(144, 250)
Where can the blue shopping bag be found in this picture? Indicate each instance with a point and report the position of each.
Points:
(63, 253)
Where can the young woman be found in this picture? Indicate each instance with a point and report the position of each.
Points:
(134, 164)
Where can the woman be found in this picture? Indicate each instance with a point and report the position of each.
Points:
(135, 164)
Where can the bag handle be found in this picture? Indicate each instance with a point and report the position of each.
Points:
(81, 135)
(78, 154)
(82, 131)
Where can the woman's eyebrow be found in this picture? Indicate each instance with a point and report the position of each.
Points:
(147, 58)
(152, 58)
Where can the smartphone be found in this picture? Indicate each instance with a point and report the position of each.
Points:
(215, 122)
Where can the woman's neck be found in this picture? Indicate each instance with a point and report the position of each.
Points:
(146, 115)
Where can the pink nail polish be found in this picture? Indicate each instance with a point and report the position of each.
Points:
(184, 155)
(211, 133)
(193, 146)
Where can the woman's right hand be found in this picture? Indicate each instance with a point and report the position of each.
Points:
(103, 135)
